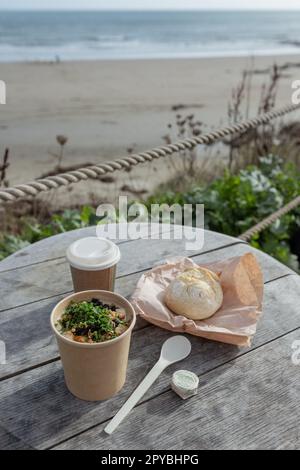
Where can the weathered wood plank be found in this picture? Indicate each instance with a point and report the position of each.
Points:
(34, 346)
(45, 280)
(10, 442)
(50, 278)
(250, 403)
(36, 408)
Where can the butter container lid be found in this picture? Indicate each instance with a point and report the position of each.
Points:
(185, 383)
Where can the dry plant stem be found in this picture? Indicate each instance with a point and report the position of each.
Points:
(269, 92)
(129, 187)
(186, 163)
(249, 87)
(267, 103)
(62, 141)
(245, 148)
(61, 155)
(248, 94)
(4, 167)
(235, 114)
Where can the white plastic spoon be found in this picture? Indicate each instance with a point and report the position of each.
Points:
(175, 349)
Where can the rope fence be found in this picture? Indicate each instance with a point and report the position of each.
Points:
(33, 188)
(246, 236)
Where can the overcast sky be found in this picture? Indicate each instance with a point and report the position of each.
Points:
(149, 4)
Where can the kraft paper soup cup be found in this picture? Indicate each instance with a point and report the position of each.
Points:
(94, 371)
(93, 263)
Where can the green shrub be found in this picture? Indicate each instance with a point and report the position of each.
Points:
(234, 203)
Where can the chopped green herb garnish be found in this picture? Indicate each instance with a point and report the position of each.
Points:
(92, 321)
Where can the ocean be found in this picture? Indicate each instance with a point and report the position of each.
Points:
(43, 36)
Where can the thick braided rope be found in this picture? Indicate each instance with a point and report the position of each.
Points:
(33, 188)
(246, 236)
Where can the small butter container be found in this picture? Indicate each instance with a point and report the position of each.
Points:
(185, 383)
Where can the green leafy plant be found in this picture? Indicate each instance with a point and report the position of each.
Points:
(11, 243)
(236, 202)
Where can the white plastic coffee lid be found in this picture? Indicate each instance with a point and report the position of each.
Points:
(93, 253)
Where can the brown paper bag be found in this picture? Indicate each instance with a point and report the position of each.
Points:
(234, 323)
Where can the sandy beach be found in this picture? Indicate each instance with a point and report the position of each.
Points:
(104, 107)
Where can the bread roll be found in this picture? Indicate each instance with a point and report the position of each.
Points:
(195, 293)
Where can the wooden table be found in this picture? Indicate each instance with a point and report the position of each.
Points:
(248, 398)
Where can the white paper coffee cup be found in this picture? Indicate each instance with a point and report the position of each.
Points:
(93, 263)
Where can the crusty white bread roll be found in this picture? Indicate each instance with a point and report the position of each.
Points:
(195, 293)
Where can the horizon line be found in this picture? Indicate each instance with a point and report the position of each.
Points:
(145, 10)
